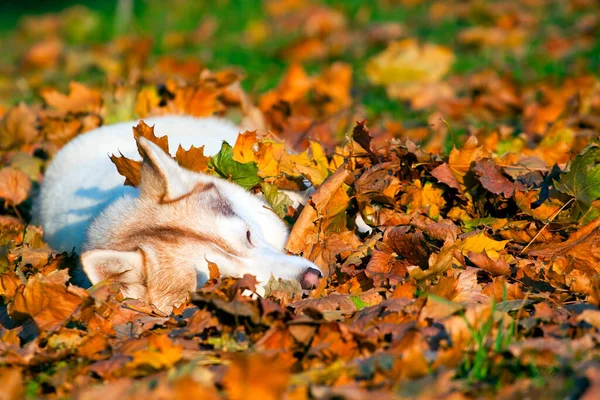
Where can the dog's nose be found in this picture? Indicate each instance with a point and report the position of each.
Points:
(310, 278)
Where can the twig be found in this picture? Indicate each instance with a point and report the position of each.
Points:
(546, 224)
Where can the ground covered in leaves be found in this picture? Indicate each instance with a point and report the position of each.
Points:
(459, 227)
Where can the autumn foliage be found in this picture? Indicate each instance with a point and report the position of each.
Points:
(460, 244)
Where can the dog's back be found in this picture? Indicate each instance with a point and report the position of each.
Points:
(82, 181)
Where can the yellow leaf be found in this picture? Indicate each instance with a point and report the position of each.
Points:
(311, 163)
(147, 99)
(460, 160)
(481, 242)
(269, 155)
(161, 353)
(427, 197)
(406, 65)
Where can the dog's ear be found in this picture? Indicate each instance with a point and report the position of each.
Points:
(125, 267)
(162, 179)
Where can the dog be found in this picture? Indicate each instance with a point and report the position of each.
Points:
(157, 240)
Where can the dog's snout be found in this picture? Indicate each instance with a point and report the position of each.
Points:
(310, 278)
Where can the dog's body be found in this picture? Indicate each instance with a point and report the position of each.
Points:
(158, 240)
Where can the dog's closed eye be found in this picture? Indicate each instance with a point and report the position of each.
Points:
(249, 237)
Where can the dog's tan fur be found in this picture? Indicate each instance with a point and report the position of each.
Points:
(158, 245)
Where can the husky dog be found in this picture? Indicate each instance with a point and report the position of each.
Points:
(157, 240)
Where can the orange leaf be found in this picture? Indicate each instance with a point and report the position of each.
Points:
(255, 376)
(192, 159)
(243, 151)
(147, 132)
(161, 353)
(19, 126)
(130, 169)
(47, 299)
(79, 99)
(14, 185)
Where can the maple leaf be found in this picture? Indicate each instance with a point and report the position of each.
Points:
(582, 181)
(192, 159)
(243, 150)
(130, 169)
(483, 261)
(460, 160)
(245, 175)
(147, 132)
(47, 299)
(79, 99)
(576, 254)
(480, 242)
(418, 196)
(384, 267)
(293, 86)
(492, 179)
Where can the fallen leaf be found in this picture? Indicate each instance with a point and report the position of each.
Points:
(14, 186)
(161, 353)
(192, 159)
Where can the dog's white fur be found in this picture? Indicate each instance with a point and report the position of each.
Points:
(158, 240)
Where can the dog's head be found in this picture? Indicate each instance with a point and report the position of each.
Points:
(158, 245)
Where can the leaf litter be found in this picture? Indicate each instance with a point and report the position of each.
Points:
(460, 252)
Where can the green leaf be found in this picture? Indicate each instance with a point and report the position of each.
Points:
(582, 181)
(279, 201)
(358, 302)
(223, 164)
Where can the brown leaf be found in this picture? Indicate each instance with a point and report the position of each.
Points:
(576, 258)
(47, 299)
(305, 234)
(438, 263)
(411, 246)
(192, 159)
(443, 173)
(492, 179)
(147, 132)
(383, 267)
(441, 230)
(18, 127)
(483, 261)
(14, 186)
(360, 133)
(130, 169)
(201, 321)
(336, 301)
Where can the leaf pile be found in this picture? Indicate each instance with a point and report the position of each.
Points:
(459, 240)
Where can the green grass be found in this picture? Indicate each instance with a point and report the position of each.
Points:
(264, 66)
